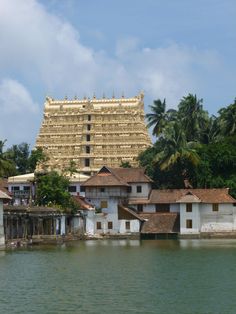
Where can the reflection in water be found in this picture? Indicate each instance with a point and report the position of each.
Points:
(208, 243)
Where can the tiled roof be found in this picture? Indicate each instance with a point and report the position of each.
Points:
(178, 195)
(160, 223)
(4, 186)
(4, 196)
(128, 211)
(131, 175)
(82, 202)
(117, 177)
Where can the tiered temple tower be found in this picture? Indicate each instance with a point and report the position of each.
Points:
(93, 132)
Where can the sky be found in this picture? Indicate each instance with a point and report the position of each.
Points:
(166, 48)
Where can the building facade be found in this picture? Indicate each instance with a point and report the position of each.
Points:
(3, 197)
(124, 202)
(93, 132)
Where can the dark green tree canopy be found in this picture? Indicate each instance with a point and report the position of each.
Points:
(192, 147)
(52, 189)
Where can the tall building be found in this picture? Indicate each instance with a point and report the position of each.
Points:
(93, 132)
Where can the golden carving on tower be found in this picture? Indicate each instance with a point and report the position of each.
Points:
(93, 132)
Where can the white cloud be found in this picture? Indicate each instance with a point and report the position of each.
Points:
(15, 98)
(18, 112)
(47, 53)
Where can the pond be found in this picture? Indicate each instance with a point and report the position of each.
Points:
(120, 276)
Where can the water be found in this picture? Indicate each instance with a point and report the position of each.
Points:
(187, 276)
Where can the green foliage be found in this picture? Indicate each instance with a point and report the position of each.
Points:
(18, 159)
(71, 168)
(192, 147)
(37, 155)
(159, 117)
(52, 190)
(125, 164)
(19, 155)
(7, 166)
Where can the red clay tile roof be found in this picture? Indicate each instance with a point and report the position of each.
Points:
(160, 223)
(131, 175)
(82, 202)
(4, 186)
(117, 177)
(128, 211)
(205, 195)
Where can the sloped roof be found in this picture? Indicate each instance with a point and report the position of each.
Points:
(160, 223)
(127, 213)
(117, 177)
(22, 178)
(82, 202)
(4, 186)
(4, 196)
(181, 195)
(131, 175)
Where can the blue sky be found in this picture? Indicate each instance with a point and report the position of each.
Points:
(167, 48)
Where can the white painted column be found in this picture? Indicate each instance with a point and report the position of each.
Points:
(2, 238)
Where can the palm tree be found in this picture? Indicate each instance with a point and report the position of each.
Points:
(176, 147)
(227, 120)
(159, 117)
(193, 118)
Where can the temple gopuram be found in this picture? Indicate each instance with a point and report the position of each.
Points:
(93, 132)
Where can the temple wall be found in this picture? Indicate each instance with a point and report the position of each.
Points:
(93, 133)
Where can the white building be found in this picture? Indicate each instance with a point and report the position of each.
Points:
(200, 211)
(125, 203)
(22, 187)
(3, 197)
(109, 192)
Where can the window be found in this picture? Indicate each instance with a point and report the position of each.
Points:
(215, 207)
(82, 189)
(139, 189)
(99, 225)
(89, 117)
(140, 207)
(26, 188)
(102, 190)
(103, 204)
(87, 149)
(127, 225)
(129, 189)
(189, 223)
(162, 207)
(189, 207)
(88, 127)
(110, 225)
(72, 188)
(88, 137)
(87, 162)
(15, 188)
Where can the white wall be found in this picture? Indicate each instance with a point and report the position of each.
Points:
(222, 220)
(194, 216)
(146, 188)
(134, 226)
(2, 238)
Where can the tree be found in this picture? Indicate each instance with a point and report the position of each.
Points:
(19, 155)
(227, 120)
(194, 119)
(159, 117)
(176, 147)
(37, 155)
(125, 164)
(71, 168)
(52, 189)
(7, 167)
